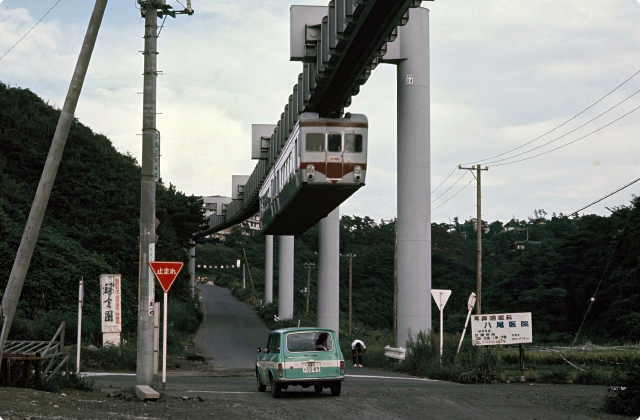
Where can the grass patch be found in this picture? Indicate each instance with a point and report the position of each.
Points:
(74, 382)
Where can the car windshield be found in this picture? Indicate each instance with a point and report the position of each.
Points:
(309, 341)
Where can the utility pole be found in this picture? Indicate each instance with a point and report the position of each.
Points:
(308, 265)
(151, 10)
(351, 256)
(478, 170)
(34, 222)
(395, 280)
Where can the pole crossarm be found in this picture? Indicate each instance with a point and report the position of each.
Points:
(352, 41)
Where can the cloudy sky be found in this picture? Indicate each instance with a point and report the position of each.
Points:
(503, 73)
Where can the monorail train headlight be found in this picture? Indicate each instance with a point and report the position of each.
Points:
(357, 169)
(311, 172)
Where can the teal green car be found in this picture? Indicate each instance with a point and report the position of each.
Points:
(300, 357)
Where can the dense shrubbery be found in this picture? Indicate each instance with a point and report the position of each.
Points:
(624, 391)
(91, 224)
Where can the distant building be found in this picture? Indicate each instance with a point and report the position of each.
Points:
(216, 206)
(485, 228)
(521, 245)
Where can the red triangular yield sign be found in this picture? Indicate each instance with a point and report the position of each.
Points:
(166, 272)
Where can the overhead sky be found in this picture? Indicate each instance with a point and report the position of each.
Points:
(503, 72)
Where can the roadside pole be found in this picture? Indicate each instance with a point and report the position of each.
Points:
(470, 304)
(164, 342)
(243, 277)
(441, 297)
(150, 10)
(478, 169)
(308, 265)
(80, 301)
(39, 206)
(156, 339)
(166, 273)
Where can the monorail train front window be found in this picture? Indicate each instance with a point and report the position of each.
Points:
(353, 143)
(334, 143)
(315, 142)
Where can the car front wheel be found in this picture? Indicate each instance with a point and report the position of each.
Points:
(276, 390)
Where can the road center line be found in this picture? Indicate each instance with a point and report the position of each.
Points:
(392, 377)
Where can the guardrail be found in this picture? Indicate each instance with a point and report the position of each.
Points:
(395, 353)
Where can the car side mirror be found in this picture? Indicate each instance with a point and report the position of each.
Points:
(259, 349)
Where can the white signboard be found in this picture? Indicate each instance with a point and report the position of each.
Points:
(514, 328)
(110, 295)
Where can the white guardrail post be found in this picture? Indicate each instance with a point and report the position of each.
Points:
(395, 353)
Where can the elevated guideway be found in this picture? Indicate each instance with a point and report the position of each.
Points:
(338, 56)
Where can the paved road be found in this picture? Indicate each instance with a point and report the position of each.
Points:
(229, 336)
(231, 332)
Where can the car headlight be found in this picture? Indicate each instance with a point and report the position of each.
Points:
(311, 168)
(357, 169)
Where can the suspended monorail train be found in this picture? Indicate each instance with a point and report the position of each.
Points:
(323, 162)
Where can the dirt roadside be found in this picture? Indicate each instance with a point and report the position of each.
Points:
(205, 398)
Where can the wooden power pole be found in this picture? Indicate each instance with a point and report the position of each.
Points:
(478, 171)
(308, 265)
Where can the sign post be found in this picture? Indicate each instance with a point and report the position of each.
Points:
(166, 273)
(110, 295)
(470, 304)
(441, 297)
(80, 301)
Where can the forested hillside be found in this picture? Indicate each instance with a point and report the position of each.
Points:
(91, 224)
(554, 276)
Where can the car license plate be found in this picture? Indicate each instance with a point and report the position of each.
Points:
(311, 368)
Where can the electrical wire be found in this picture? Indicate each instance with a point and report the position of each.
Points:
(566, 134)
(445, 180)
(453, 185)
(593, 298)
(571, 142)
(536, 230)
(561, 125)
(25, 35)
(450, 198)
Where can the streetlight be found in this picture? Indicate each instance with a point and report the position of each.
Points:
(308, 265)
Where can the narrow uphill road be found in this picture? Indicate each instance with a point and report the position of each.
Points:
(231, 332)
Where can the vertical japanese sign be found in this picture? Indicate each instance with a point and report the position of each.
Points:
(156, 162)
(110, 295)
(514, 328)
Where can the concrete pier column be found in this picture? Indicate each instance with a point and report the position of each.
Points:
(268, 270)
(285, 278)
(192, 269)
(329, 271)
(414, 178)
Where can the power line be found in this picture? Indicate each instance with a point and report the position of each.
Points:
(25, 35)
(571, 142)
(566, 134)
(445, 180)
(564, 123)
(586, 207)
(453, 185)
(452, 196)
(593, 298)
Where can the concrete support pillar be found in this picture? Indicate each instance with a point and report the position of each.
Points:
(329, 271)
(285, 278)
(268, 270)
(192, 269)
(414, 178)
